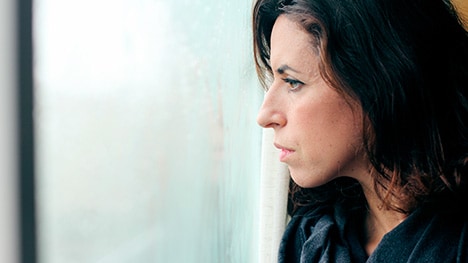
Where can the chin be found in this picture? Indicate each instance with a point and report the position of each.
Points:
(308, 180)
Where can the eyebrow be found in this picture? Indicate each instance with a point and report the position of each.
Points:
(284, 68)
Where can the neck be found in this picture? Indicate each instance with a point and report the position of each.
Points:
(379, 220)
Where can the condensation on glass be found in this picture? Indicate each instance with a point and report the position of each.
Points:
(147, 146)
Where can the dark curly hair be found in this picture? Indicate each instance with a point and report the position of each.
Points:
(406, 62)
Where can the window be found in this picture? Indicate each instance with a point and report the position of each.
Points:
(147, 145)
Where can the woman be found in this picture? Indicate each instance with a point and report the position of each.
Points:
(369, 104)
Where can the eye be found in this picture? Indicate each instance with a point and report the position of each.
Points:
(294, 85)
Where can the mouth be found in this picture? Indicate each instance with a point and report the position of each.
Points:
(285, 152)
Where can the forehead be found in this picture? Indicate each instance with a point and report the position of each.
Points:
(291, 45)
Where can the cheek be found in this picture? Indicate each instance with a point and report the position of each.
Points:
(326, 119)
(331, 132)
(345, 128)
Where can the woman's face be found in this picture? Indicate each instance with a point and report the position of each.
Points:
(318, 132)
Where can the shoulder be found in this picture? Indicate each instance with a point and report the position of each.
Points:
(447, 236)
(428, 236)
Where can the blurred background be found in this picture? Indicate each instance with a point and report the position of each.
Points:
(147, 149)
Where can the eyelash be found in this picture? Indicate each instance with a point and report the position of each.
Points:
(295, 85)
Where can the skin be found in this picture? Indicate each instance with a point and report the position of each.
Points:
(317, 129)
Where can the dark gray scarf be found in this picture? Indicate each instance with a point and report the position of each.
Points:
(332, 235)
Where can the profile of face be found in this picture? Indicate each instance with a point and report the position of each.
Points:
(318, 131)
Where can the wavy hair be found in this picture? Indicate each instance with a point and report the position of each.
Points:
(406, 62)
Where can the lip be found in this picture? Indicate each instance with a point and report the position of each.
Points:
(285, 152)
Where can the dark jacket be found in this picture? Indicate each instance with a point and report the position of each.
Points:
(331, 234)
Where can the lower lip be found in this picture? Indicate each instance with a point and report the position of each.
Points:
(285, 154)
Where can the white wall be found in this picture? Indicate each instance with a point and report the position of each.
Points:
(8, 169)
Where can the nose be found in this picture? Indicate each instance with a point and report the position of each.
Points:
(270, 114)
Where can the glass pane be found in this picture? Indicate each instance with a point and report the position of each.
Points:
(148, 150)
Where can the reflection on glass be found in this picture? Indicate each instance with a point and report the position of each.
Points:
(147, 149)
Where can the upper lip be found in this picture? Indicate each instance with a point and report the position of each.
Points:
(282, 147)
